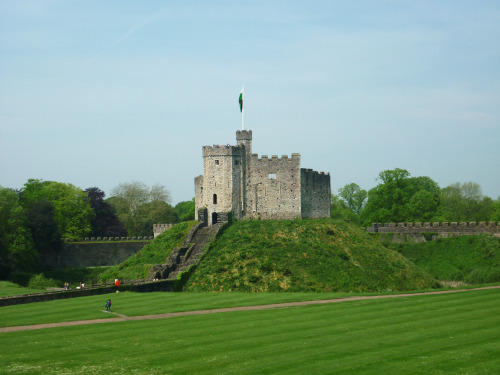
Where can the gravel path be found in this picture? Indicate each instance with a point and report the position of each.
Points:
(123, 318)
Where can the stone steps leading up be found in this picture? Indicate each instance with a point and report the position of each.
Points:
(188, 254)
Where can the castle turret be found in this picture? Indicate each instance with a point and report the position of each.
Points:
(244, 138)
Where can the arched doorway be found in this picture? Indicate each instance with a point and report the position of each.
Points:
(214, 218)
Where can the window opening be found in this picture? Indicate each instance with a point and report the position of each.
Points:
(215, 198)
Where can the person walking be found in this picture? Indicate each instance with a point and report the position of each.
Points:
(108, 305)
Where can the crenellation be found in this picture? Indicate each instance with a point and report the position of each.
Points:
(160, 228)
(442, 229)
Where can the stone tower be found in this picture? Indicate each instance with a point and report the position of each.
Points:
(219, 189)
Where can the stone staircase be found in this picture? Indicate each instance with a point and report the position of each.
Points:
(189, 253)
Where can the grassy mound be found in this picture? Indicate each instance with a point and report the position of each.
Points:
(303, 255)
(137, 266)
(472, 259)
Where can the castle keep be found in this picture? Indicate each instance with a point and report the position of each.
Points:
(237, 182)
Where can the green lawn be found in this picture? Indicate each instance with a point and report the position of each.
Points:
(10, 289)
(135, 304)
(456, 333)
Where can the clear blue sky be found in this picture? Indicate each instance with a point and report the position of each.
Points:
(96, 93)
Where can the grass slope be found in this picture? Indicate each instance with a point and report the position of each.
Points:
(137, 266)
(303, 255)
(393, 336)
(472, 259)
(8, 288)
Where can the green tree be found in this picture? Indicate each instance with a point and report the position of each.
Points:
(105, 222)
(340, 210)
(44, 229)
(354, 196)
(72, 214)
(495, 215)
(155, 212)
(137, 206)
(185, 210)
(399, 197)
(17, 252)
(465, 202)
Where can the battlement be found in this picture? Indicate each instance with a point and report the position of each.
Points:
(311, 171)
(221, 150)
(160, 228)
(101, 239)
(456, 228)
(275, 158)
(243, 135)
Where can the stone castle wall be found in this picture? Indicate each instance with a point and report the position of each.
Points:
(444, 229)
(274, 187)
(316, 194)
(160, 228)
(91, 254)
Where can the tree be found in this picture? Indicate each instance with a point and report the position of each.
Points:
(495, 216)
(105, 222)
(185, 210)
(465, 202)
(17, 252)
(72, 214)
(340, 210)
(135, 193)
(151, 213)
(132, 200)
(44, 230)
(354, 196)
(399, 197)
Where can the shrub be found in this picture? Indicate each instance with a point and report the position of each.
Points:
(40, 281)
(20, 278)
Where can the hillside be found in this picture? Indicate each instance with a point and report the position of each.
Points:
(137, 266)
(472, 259)
(303, 255)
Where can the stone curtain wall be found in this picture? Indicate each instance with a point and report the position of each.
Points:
(316, 193)
(198, 195)
(274, 187)
(444, 229)
(91, 254)
(160, 228)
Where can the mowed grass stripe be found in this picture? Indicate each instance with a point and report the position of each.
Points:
(137, 304)
(422, 334)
